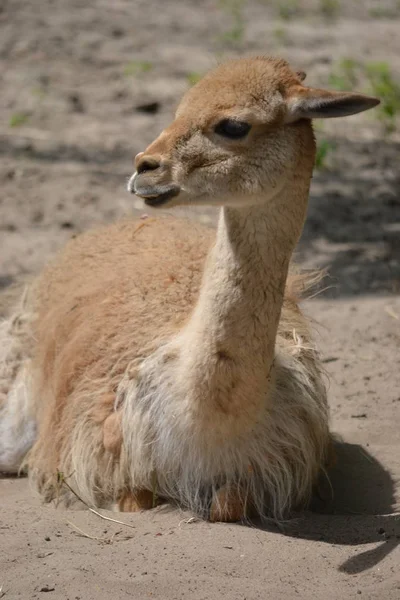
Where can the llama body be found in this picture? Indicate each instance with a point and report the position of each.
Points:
(170, 361)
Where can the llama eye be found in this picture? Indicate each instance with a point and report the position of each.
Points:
(232, 129)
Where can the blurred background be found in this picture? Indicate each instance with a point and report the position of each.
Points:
(86, 85)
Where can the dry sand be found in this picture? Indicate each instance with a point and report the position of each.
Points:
(71, 67)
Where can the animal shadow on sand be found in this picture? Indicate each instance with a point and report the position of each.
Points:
(353, 507)
(352, 227)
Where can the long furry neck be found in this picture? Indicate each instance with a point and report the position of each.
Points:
(228, 344)
(242, 288)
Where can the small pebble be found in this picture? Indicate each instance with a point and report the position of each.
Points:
(47, 588)
(150, 108)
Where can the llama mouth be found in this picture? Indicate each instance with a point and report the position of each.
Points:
(155, 200)
(153, 195)
(159, 200)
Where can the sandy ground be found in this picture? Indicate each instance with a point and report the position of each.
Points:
(89, 85)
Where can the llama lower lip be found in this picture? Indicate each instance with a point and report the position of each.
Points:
(162, 198)
(157, 201)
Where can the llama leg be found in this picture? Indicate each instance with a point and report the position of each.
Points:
(136, 500)
(112, 433)
(227, 506)
(130, 500)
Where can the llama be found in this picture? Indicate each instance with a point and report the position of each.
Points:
(156, 361)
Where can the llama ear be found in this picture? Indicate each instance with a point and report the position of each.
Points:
(301, 75)
(310, 103)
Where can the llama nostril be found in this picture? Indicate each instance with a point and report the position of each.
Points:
(148, 163)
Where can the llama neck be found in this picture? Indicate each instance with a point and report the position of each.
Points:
(229, 342)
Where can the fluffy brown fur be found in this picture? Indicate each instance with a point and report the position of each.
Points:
(116, 310)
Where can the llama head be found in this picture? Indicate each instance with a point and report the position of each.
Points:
(239, 135)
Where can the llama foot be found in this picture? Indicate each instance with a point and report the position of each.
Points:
(135, 501)
(227, 506)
